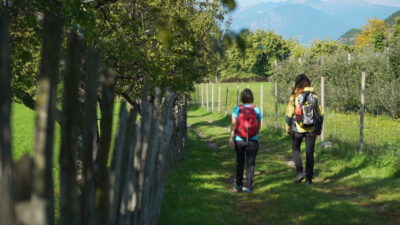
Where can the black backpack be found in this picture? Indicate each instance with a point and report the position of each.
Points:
(306, 113)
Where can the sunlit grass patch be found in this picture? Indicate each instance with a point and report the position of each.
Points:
(369, 178)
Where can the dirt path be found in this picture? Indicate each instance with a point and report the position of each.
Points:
(276, 195)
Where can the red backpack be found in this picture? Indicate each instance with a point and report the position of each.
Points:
(247, 124)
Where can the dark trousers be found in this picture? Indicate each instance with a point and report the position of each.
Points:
(310, 143)
(245, 150)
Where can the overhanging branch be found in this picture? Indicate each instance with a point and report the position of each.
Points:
(29, 102)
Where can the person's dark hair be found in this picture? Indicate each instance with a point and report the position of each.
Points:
(247, 96)
(300, 83)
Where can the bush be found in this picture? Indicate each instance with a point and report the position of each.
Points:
(343, 79)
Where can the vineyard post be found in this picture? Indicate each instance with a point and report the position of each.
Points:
(198, 95)
(202, 95)
(262, 100)
(300, 61)
(219, 98)
(237, 94)
(276, 105)
(323, 106)
(388, 58)
(349, 58)
(226, 101)
(362, 112)
(193, 100)
(212, 97)
(207, 96)
(195, 95)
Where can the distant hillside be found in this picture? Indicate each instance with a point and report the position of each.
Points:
(290, 21)
(392, 18)
(310, 19)
(350, 36)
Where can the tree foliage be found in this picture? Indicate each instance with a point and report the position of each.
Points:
(166, 43)
(396, 28)
(262, 49)
(325, 47)
(374, 34)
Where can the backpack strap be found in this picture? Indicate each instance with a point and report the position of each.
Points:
(241, 107)
(306, 97)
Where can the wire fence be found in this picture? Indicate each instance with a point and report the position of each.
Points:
(380, 133)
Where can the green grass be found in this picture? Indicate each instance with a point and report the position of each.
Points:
(196, 192)
(347, 190)
(380, 132)
(350, 188)
(23, 135)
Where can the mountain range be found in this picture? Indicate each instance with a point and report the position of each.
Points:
(310, 19)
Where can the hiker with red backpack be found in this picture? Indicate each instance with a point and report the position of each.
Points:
(244, 138)
(304, 118)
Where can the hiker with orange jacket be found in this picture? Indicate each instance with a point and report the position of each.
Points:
(244, 138)
(304, 118)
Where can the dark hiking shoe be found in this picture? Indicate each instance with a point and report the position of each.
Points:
(308, 181)
(247, 190)
(239, 188)
(300, 176)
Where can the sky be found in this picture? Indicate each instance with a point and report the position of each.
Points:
(247, 3)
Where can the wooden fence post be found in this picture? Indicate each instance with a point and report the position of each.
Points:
(276, 105)
(149, 160)
(362, 111)
(69, 204)
(43, 184)
(127, 169)
(212, 97)
(207, 96)
(323, 106)
(7, 213)
(141, 155)
(90, 134)
(219, 98)
(226, 101)
(166, 125)
(116, 172)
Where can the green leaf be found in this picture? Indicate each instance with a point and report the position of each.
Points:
(230, 4)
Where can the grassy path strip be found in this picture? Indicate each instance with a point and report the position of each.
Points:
(199, 191)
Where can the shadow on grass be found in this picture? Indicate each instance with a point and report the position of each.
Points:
(196, 190)
(197, 193)
(277, 197)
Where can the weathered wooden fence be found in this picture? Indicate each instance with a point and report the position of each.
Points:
(93, 192)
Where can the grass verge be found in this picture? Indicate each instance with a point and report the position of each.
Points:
(347, 190)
